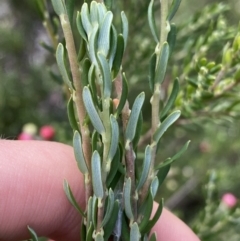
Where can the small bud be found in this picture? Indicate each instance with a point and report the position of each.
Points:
(229, 200)
(25, 136)
(47, 132)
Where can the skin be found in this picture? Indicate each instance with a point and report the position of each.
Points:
(31, 188)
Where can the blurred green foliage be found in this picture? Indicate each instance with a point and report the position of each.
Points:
(211, 121)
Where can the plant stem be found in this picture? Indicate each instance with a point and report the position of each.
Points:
(129, 153)
(81, 112)
(155, 100)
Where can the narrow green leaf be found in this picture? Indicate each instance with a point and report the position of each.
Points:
(95, 136)
(104, 34)
(127, 199)
(147, 212)
(59, 7)
(109, 207)
(118, 56)
(153, 221)
(162, 64)
(82, 51)
(33, 234)
(146, 167)
(124, 28)
(71, 115)
(171, 39)
(71, 198)
(165, 125)
(85, 70)
(90, 232)
(171, 99)
(134, 232)
(80, 27)
(154, 186)
(91, 110)
(114, 167)
(106, 75)
(133, 119)
(173, 9)
(93, 45)
(79, 156)
(151, 21)
(124, 95)
(125, 229)
(83, 231)
(49, 48)
(108, 228)
(70, 10)
(113, 46)
(152, 69)
(138, 131)
(108, 4)
(89, 211)
(97, 175)
(61, 65)
(114, 137)
(85, 17)
(94, 211)
(175, 157)
(94, 12)
(153, 237)
(99, 237)
(162, 173)
(92, 83)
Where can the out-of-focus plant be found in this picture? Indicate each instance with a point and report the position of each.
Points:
(219, 220)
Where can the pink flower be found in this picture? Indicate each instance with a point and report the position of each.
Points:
(229, 200)
(25, 136)
(47, 132)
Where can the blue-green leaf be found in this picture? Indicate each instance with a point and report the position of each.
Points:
(104, 34)
(85, 16)
(171, 99)
(61, 65)
(133, 119)
(102, 10)
(113, 46)
(94, 12)
(89, 211)
(59, 6)
(71, 198)
(79, 156)
(97, 175)
(135, 233)
(33, 234)
(151, 21)
(80, 27)
(146, 167)
(91, 110)
(165, 125)
(124, 28)
(106, 75)
(127, 199)
(173, 9)
(94, 211)
(85, 70)
(162, 64)
(93, 45)
(90, 232)
(154, 186)
(138, 131)
(114, 138)
(99, 237)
